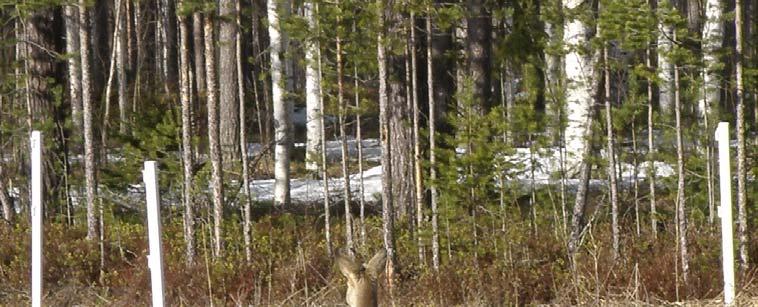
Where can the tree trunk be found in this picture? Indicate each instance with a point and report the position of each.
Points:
(417, 168)
(312, 97)
(74, 66)
(87, 101)
(388, 216)
(121, 67)
(324, 166)
(228, 105)
(4, 199)
(651, 172)
(432, 139)
(579, 70)
(213, 134)
(359, 142)
(680, 211)
(247, 226)
(741, 158)
(282, 137)
(342, 112)
(712, 40)
(171, 60)
(611, 158)
(185, 92)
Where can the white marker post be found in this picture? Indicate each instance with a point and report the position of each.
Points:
(36, 148)
(155, 258)
(725, 212)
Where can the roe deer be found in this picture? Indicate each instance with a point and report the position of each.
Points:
(361, 278)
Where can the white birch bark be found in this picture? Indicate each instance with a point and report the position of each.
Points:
(89, 146)
(313, 124)
(74, 65)
(432, 142)
(281, 108)
(185, 90)
(579, 69)
(741, 163)
(712, 39)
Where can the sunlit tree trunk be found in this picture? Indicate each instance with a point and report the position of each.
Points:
(185, 91)
(432, 141)
(741, 158)
(89, 146)
(388, 216)
(74, 65)
(4, 199)
(579, 70)
(651, 149)
(282, 137)
(312, 95)
(417, 168)
(680, 195)
(213, 134)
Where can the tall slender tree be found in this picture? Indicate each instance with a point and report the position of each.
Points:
(742, 232)
(680, 192)
(312, 96)
(74, 64)
(432, 139)
(217, 182)
(342, 115)
(185, 92)
(282, 134)
(388, 216)
(247, 226)
(87, 101)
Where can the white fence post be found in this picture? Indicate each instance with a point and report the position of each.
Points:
(155, 258)
(725, 212)
(36, 155)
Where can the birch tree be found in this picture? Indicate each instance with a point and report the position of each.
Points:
(741, 158)
(89, 146)
(214, 145)
(185, 90)
(611, 157)
(579, 70)
(71, 14)
(312, 96)
(680, 192)
(282, 137)
(432, 140)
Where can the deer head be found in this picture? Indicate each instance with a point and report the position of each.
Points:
(361, 278)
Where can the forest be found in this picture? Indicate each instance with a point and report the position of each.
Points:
(512, 152)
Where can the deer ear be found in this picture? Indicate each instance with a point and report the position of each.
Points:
(375, 266)
(347, 266)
